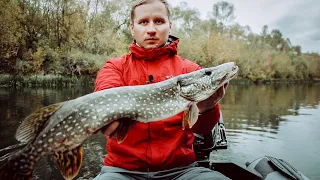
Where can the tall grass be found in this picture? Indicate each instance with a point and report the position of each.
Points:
(44, 81)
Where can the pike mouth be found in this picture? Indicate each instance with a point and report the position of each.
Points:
(229, 75)
(234, 71)
(223, 78)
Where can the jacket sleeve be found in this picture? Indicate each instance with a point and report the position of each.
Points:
(208, 120)
(109, 76)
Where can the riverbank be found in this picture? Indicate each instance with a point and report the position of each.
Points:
(275, 81)
(7, 80)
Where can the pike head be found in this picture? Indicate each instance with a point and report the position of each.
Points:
(200, 85)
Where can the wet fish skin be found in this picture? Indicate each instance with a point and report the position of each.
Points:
(63, 127)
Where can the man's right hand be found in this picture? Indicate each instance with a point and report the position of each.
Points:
(109, 129)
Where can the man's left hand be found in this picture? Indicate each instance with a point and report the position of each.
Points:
(213, 100)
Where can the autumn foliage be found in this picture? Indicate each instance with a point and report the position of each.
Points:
(75, 38)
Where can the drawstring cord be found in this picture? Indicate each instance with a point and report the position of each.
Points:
(148, 145)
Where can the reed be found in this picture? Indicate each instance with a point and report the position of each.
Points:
(44, 81)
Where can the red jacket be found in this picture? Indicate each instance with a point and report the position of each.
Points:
(158, 145)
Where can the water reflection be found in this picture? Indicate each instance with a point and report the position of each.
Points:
(277, 120)
(262, 107)
(15, 105)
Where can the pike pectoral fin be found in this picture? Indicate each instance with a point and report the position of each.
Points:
(122, 130)
(69, 162)
(190, 116)
(185, 118)
(34, 123)
(193, 114)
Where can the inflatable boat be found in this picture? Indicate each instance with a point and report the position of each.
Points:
(266, 168)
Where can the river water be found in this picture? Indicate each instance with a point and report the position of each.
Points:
(280, 120)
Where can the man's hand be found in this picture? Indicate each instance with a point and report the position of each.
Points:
(109, 129)
(209, 103)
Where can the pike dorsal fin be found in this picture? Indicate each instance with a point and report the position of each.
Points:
(122, 130)
(69, 162)
(33, 124)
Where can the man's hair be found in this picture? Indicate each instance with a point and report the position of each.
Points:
(141, 2)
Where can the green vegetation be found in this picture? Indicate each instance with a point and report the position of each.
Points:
(44, 81)
(45, 41)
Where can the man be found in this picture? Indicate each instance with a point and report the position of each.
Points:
(158, 150)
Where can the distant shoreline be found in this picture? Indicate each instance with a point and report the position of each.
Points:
(275, 81)
(49, 80)
(7, 80)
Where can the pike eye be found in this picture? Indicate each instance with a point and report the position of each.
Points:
(208, 73)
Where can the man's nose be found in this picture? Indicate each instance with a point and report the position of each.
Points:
(151, 29)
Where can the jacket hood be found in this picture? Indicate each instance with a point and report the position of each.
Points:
(170, 49)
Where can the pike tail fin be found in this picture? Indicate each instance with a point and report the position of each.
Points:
(11, 167)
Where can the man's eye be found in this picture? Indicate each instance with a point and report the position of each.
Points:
(159, 22)
(143, 22)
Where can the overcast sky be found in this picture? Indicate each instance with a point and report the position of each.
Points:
(298, 20)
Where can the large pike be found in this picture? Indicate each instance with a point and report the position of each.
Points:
(63, 127)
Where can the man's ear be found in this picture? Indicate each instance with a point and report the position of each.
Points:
(131, 29)
(170, 26)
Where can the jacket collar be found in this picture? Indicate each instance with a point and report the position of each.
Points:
(169, 49)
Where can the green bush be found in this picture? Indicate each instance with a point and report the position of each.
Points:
(77, 63)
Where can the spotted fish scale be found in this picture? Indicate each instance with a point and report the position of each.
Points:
(62, 128)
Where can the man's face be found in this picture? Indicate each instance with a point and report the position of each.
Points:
(151, 27)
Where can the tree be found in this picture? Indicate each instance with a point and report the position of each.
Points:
(265, 30)
(185, 17)
(297, 50)
(10, 34)
(223, 12)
